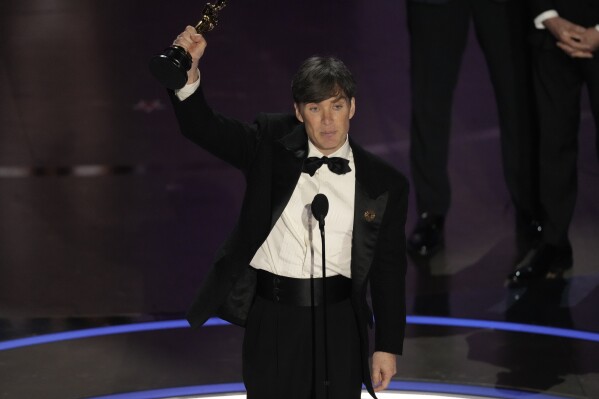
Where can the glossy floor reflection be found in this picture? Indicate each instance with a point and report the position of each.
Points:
(109, 217)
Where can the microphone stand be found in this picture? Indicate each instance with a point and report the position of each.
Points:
(324, 310)
(320, 207)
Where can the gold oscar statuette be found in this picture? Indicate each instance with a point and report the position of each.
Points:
(171, 66)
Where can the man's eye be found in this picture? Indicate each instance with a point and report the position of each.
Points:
(313, 109)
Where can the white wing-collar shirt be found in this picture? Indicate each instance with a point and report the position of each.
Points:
(293, 248)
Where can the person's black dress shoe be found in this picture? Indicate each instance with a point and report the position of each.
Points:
(427, 237)
(544, 261)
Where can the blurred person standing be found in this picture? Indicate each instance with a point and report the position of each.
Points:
(565, 58)
(438, 35)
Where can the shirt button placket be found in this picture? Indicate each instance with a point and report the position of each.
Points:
(276, 289)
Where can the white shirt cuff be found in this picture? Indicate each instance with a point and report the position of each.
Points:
(188, 89)
(544, 17)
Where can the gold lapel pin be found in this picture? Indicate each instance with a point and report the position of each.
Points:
(369, 215)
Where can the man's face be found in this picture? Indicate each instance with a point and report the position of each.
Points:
(327, 122)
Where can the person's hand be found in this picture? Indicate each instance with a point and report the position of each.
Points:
(569, 37)
(384, 366)
(195, 44)
(590, 37)
(575, 53)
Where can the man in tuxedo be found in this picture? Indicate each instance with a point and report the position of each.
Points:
(438, 35)
(565, 58)
(268, 275)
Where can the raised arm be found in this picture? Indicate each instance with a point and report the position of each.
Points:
(228, 139)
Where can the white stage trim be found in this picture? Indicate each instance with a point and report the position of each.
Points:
(365, 395)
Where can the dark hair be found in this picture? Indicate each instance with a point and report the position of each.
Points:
(319, 78)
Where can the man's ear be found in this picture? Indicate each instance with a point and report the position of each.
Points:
(352, 107)
(298, 114)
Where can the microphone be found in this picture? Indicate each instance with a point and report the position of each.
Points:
(320, 208)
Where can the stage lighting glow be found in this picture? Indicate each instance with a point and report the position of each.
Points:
(383, 395)
(422, 320)
(397, 390)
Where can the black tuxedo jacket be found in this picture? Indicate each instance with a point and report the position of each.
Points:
(270, 153)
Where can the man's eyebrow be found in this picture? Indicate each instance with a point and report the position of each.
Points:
(340, 97)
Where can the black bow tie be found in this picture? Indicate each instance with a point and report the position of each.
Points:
(337, 165)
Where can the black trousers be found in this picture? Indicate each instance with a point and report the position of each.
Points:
(282, 358)
(558, 84)
(438, 35)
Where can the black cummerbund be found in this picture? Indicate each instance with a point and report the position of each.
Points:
(300, 291)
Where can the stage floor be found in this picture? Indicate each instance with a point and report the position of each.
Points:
(109, 218)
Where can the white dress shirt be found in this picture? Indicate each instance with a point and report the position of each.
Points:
(293, 248)
(188, 89)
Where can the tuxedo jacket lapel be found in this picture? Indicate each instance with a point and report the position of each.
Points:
(369, 209)
(288, 156)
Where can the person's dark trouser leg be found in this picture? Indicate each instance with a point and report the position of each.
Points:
(501, 30)
(591, 75)
(558, 83)
(438, 36)
(277, 352)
